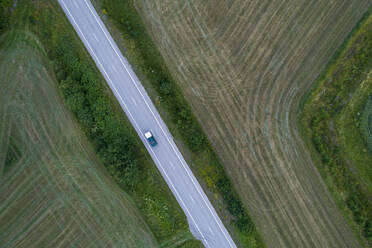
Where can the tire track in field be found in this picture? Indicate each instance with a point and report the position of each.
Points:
(243, 66)
(55, 193)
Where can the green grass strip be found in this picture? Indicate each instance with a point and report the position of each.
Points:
(366, 123)
(330, 121)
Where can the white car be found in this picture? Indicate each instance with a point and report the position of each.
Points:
(150, 138)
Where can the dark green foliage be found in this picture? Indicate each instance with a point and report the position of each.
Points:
(334, 163)
(350, 72)
(366, 123)
(165, 87)
(150, 62)
(129, 26)
(5, 6)
(242, 220)
(114, 141)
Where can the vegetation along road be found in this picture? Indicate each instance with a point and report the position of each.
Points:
(203, 220)
(244, 66)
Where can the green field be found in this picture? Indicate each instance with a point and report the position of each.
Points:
(96, 114)
(366, 123)
(53, 190)
(336, 126)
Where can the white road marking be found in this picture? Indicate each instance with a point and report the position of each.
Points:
(114, 68)
(76, 5)
(135, 84)
(172, 165)
(95, 36)
(210, 229)
(137, 127)
(135, 123)
(192, 199)
(134, 101)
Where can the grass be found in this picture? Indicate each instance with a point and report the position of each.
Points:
(366, 123)
(350, 136)
(243, 67)
(332, 122)
(100, 118)
(53, 190)
(149, 64)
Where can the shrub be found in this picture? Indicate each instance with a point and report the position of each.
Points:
(321, 112)
(366, 123)
(83, 95)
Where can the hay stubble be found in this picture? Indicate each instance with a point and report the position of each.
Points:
(54, 193)
(243, 66)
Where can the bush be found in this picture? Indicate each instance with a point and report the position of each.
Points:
(321, 112)
(5, 6)
(366, 123)
(151, 64)
(83, 94)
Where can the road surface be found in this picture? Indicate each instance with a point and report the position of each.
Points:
(203, 220)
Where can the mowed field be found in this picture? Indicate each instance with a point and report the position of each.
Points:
(53, 190)
(244, 66)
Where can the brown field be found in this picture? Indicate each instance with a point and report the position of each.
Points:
(53, 190)
(244, 66)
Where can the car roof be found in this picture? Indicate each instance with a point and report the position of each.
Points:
(148, 134)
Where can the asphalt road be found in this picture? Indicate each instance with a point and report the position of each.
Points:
(203, 220)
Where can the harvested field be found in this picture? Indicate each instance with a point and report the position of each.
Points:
(244, 66)
(99, 116)
(53, 190)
